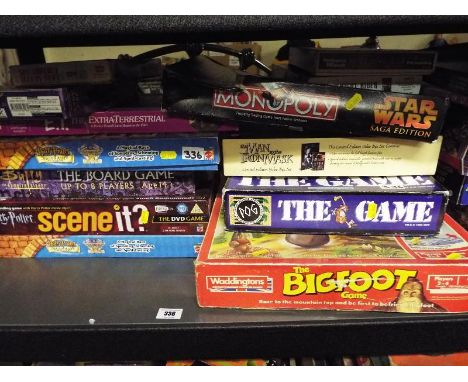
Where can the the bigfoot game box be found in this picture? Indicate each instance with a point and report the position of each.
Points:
(356, 205)
(334, 272)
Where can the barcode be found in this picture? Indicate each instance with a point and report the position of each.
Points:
(19, 106)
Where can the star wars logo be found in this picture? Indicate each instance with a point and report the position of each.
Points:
(406, 112)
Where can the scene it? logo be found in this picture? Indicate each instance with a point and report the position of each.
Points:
(250, 210)
(247, 284)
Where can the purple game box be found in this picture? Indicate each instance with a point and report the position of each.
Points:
(33, 185)
(359, 205)
(113, 122)
(26, 104)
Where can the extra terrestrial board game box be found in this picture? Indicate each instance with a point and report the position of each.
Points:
(333, 272)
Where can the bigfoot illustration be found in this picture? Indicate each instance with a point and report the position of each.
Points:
(240, 243)
(411, 299)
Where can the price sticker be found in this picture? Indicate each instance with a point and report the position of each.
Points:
(168, 155)
(193, 153)
(169, 314)
(353, 101)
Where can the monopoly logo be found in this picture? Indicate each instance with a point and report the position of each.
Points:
(311, 106)
(258, 284)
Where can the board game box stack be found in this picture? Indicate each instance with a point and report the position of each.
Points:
(106, 196)
(335, 207)
(93, 187)
(238, 269)
(335, 223)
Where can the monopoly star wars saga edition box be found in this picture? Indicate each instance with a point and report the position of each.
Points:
(335, 272)
(183, 215)
(68, 246)
(101, 152)
(311, 107)
(329, 157)
(404, 205)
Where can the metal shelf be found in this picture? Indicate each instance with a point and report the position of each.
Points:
(46, 305)
(48, 31)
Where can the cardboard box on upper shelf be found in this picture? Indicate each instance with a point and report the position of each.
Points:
(342, 61)
(87, 72)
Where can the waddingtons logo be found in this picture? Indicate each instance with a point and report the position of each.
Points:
(294, 104)
(247, 284)
(250, 210)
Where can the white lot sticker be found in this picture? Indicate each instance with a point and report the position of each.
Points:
(32, 106)
(193, 153)
(169, 314)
